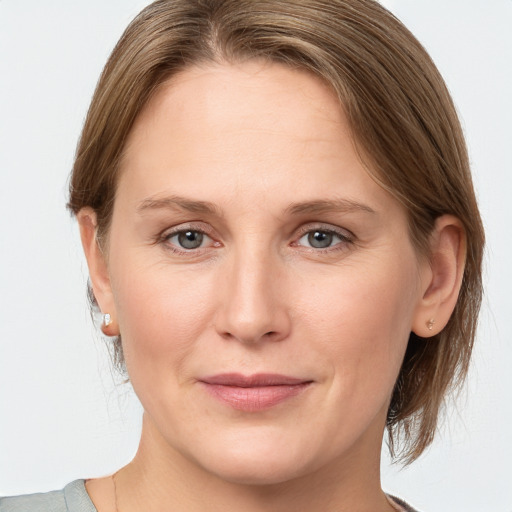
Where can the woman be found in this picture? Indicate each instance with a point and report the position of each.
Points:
(276, 208)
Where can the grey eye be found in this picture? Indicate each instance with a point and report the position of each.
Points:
(189, 239)
(320, 239)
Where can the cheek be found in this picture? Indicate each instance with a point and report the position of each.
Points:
(362, 325)
(162, 313)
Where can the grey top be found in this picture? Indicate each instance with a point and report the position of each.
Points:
(74, 498)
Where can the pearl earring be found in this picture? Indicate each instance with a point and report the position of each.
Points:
(107, 319)
(430, 324)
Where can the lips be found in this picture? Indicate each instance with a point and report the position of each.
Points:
(254, 392)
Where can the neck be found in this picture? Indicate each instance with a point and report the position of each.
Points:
(161, 478)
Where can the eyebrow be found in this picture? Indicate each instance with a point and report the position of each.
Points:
(328, 206)
(314, 207)
(179, 203)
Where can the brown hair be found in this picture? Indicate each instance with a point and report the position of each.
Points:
(403, 121)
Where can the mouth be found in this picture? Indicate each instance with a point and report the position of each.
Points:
(253, 393)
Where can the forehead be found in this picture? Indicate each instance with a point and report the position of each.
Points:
(219, 131)
(217, 101)
(246, 84)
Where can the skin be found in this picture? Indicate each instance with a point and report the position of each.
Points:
(269, 150)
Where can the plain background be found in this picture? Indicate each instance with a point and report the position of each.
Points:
(63, 414)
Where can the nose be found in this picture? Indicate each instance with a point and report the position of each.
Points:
(253, 298)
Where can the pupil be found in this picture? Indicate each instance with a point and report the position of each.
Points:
(320, 239)
(190, 239)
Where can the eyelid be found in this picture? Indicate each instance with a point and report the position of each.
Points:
(187, 226)
(328, 228)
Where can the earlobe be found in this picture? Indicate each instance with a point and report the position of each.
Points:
(109, 326)
(440, 289)
(98, 269)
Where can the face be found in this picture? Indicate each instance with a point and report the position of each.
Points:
(264, 285)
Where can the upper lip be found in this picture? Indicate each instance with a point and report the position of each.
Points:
(255, 380)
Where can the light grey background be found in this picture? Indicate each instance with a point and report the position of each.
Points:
(62, 416)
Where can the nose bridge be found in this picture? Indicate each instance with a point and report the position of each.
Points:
(253, 306)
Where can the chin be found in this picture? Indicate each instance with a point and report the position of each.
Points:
(258, 472)
(257, 463)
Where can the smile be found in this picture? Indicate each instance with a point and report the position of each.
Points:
(255, 392)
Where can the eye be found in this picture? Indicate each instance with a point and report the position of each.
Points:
(188, 239)
(322, 239)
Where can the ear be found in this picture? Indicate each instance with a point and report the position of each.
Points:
(442, 277)
(98, 270)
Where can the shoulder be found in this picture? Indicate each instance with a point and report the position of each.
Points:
(44, 502)
(73, 498)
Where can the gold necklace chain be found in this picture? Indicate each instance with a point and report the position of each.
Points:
(115, 489)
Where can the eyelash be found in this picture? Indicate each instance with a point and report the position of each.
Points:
(345, 236)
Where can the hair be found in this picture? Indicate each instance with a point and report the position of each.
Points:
(403, 122)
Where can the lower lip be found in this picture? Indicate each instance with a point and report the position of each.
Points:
(257, 398)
